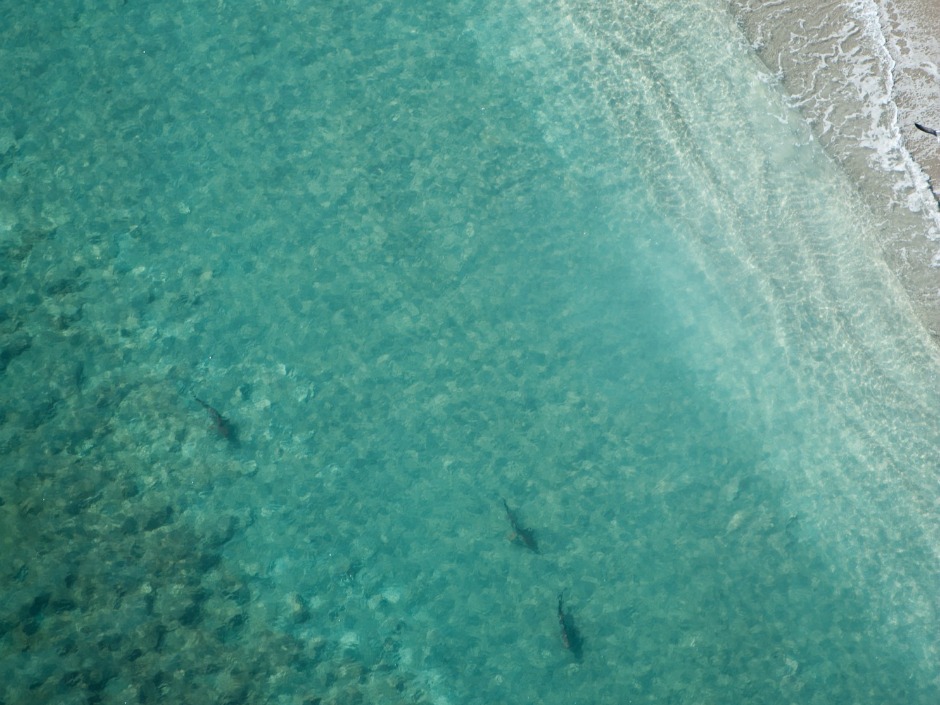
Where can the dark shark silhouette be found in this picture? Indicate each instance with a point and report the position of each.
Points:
(570, 636)
(225, 428)
(520, 534)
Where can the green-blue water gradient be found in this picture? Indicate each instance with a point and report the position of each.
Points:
(427, 257)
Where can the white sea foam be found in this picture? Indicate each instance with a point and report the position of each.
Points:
(885, 140)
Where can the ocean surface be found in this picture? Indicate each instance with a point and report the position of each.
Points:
(447, 353)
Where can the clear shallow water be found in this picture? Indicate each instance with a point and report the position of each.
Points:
(581, 258)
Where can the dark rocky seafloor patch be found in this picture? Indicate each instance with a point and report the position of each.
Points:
(118, 585)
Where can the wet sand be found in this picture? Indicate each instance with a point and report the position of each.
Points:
(917, 85)
(910, 29)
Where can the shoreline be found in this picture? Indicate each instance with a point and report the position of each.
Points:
(862, 73)
(913, 83)
(917, 82)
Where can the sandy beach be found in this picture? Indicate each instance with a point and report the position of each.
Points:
(914, 89)
(917, 82)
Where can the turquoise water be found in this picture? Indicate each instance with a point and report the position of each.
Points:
(425, 258)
